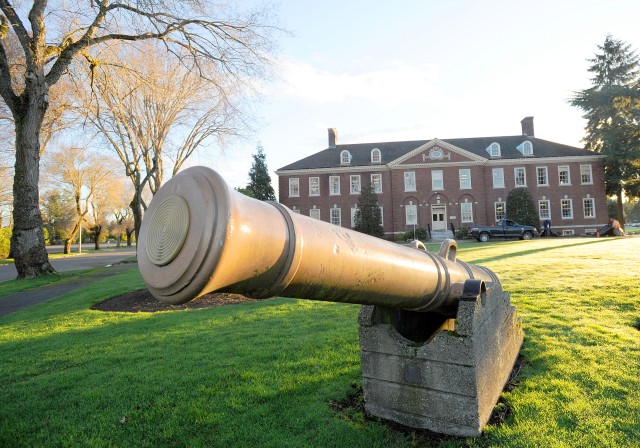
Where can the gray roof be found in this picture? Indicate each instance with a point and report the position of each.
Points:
(361, 152)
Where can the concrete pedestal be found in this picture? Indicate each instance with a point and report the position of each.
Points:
(450, 382)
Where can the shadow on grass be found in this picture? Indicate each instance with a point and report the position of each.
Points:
(192, 376)
(535, 251)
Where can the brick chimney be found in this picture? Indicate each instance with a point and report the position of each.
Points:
(333, 137)
(527, 126)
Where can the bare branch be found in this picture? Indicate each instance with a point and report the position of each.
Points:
(6, 89)
(18, 29)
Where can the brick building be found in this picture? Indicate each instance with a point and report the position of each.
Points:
(439, 184)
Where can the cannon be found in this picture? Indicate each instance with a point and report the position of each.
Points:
(438, 336)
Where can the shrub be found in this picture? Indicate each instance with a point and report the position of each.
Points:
(462, 233)
(420, 234)
(5, 242)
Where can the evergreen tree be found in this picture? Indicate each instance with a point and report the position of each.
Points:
(260, 181)
(368, 215)
(612, 109)
(245, 191)
(521, 208)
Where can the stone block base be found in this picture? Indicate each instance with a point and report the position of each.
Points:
(451, 382)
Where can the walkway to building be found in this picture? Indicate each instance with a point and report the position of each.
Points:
(107, 258)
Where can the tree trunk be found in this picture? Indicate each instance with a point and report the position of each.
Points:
(96, 231)
(620, 208)
(74, 232)
(136, 208)
(129, 236)
(27, 242)
(67, 246)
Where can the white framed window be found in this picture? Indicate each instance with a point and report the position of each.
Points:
(542, 176)
(345, 157)
(411, 214)
(334, 185)
(376, 183)
(586, 176)
(376, 155)
(410, 181)
(294, 187)
(589, 207)
(465, 178)
(353, 216)
(544, 209)
(500, 209)
(336, 216)
(314, 186)
(314, 213)
(354, 184)
(466, 212)
(520, 175)
(296, 210)
(494, 149)
(381, 216)
(498, 177)
(563, 175)
(437, 182)
(566, 208)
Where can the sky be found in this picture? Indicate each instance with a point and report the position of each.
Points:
(414, 70)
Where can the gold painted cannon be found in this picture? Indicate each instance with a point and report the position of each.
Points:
(200, 236)
(438, 337)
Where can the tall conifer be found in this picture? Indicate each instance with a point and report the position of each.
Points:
(612, 109)
(260, 181)
(368, 215)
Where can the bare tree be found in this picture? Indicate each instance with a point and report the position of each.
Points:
(152, 112)
(236, 47)
(122, 222)
(80, 174)
(102, 202)
(58, 210)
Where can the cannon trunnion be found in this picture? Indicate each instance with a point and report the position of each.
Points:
(438, 336)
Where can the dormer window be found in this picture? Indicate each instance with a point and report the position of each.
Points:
(494, 149)
(526, 148)
(376, 155)
(345, 157)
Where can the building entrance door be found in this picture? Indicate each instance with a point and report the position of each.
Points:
(438, 212)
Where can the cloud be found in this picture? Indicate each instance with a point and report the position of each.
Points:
(394, 84)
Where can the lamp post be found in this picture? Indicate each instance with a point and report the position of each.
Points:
(80, 241)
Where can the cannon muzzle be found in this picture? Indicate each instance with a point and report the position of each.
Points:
(200, 236)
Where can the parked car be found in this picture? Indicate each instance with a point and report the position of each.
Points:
(505, 228)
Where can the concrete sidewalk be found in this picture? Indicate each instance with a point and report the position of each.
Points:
(24, 299)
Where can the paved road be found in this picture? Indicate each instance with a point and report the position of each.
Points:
(77, 261)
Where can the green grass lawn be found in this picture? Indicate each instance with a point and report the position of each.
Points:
(261, 374)
(632, 230)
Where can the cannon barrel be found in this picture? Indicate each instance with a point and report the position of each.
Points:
(200, 236)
